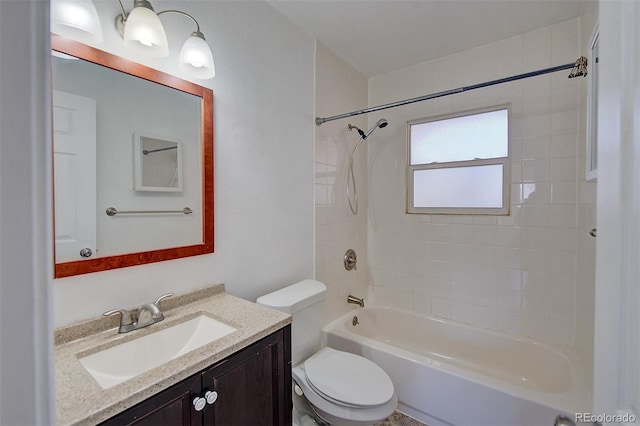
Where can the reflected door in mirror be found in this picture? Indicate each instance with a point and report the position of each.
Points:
(74, 126)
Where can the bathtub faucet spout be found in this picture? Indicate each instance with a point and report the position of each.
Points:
(355, 300)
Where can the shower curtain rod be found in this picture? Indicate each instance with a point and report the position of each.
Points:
(579, 68)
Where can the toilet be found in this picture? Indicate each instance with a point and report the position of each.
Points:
(340, 387)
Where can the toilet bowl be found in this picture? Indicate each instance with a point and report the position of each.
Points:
(340, 387)
(344, 388)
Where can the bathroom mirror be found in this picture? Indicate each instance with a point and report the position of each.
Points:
(115, 205)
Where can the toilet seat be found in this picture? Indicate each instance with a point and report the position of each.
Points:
(348, 379)
(340, 407)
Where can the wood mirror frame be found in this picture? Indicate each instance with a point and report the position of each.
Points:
(126, 66)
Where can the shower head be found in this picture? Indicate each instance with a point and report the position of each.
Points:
(350, 175)
(380, 123)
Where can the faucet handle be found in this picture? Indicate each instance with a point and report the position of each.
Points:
(164, 296)
(156, 311)
(126, 320)
(125, 316)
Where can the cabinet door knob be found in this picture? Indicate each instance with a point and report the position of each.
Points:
(199, 403)
(211, 397)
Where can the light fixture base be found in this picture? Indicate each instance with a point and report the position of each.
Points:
(198, 34)
(120, 22)
(143, 3)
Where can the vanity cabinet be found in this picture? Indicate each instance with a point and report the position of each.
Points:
(250, 387)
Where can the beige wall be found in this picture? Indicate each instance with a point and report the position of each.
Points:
(339, 88)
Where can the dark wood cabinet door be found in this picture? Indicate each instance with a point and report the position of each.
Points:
(172, 407)
(253, 386)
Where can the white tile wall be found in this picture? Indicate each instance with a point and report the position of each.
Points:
(339, 88)
(517, 273)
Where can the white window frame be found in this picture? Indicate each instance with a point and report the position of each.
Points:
(504, 161)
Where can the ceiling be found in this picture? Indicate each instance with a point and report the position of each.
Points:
(379, 36)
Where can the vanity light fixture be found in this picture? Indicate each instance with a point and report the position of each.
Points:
(143, 33)
(142, 30)
(77, 19)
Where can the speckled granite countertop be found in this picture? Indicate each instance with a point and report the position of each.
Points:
(81, 401)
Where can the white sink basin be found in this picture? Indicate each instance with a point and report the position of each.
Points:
(120, 363)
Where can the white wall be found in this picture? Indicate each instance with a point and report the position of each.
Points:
(617, 343)
(339, 88)
(26, 338)
(264, 112)
(586, 256)
(514, 273)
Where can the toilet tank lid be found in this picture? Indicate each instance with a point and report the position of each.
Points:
(294, 297)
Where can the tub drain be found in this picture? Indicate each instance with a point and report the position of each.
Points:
(355, 321)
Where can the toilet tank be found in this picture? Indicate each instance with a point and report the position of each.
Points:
(303, 301)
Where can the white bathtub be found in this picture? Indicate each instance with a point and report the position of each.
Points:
(449, 373)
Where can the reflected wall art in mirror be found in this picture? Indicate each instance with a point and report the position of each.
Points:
(133, 162)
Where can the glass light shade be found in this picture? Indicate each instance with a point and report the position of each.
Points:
(144, 33)
(76, 19)
(196, 59)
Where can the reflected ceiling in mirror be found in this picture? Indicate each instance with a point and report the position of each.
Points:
(112, 208)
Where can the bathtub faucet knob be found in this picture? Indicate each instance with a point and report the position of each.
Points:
(355, 300)
(350, 260)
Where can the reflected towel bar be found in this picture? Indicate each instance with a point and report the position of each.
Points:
(146, 151)
(112, 211)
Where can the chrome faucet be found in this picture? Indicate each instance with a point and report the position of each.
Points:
(145, 315)
(355, 300)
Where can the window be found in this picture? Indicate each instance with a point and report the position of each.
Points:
(459, 164)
